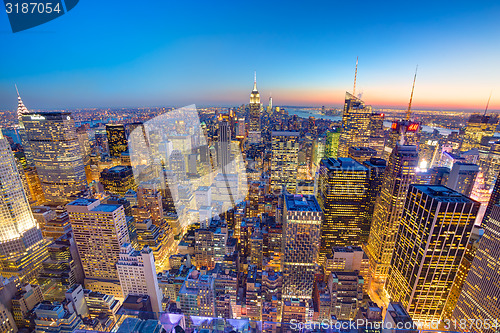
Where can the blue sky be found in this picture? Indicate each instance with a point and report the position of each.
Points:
(154, 53)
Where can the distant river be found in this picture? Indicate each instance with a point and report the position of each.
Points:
(315, 113)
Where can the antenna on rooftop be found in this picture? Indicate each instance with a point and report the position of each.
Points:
(408, 113)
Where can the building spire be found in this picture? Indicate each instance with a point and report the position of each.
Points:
(487, 104)
(255, 81)
(21, 108)
(408, 113)
(355, 75)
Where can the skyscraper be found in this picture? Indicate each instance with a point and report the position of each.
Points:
(462, 177)
(376, 168)
(478, 126)
(56, 154)
(377, 135)
(432, 238)
(22, 248)
(254, 132)
(137, 273)
(284, 160)
(22, 111)
(224, 146)
(301, 236)
(332, 144)
(361, 154)
(494, 198)
(403, 132)
(398, 176)
(480, 297)
(117, 139)
(118, 179)
(100, 230)
(355, 125)
(343, 197)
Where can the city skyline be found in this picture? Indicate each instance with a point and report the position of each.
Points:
(319, 186)
(299, 62)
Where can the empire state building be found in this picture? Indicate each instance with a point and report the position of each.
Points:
(254, 133)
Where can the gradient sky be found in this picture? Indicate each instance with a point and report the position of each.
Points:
(156, 53)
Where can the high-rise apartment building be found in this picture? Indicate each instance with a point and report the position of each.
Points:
(342, 195)
(117, 139)
(254, 132)
(284, 160)
(137, 273)
(56, 154)
(480, 297)
(355, 125)
(100, 230)
(431, 241)
(398, 176)
(301, 237)
(22, 248)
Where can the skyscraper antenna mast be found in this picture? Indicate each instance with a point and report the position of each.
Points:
(408, 113)
(355, 74)
(16, 90)
(487, 104)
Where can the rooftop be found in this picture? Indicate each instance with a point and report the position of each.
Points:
(342, 164)
(82, 202)
(119, 168)
(442, 193)
(302, 203)
(284, 133)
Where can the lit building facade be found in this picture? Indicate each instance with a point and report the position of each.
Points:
(342, 195)
(433, 236)
(398, 176)
(117, 139)
(377, 135)
(355, 125)
(478, 126)
(332, 144)
(284, 160)
(254, 133)
(462, 177)
(56, 154)
(100, 230)
(301, 237)
(480, 296)
(118, 179)
(22, 248)
(137, 273)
